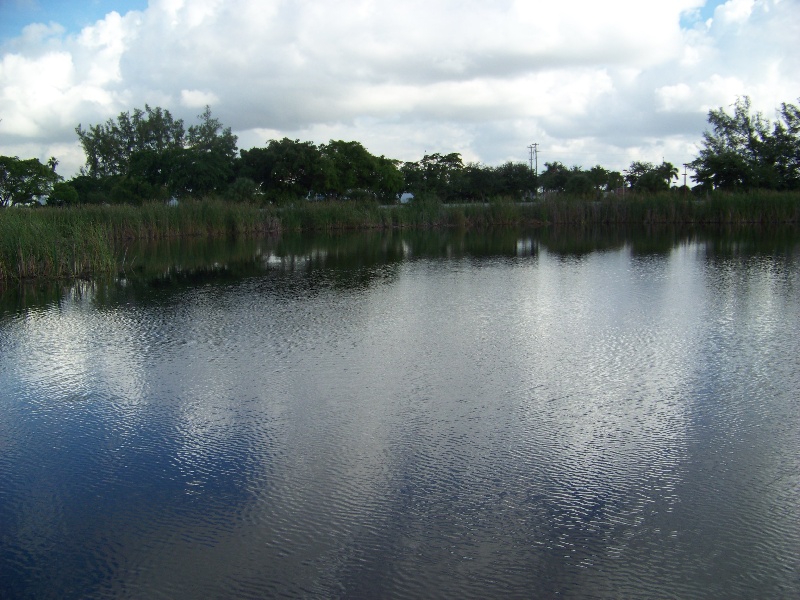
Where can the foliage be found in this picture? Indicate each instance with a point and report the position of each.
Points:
(209, 136)
(513, 180)
(435, 174)
(289, 170)
(388, 179)
(155, 158)
(286, 169)
(93, 190)
(243, 189)
(109, 147)
(147, 156)
(554, 178)
(649, 178)
(579, 183)
(25, 181)
(576, 181)
(63, 194)
(446, 177)
(746, 151)
(350, 167)
(603, 179)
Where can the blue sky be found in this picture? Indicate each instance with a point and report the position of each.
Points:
(74, 15)
(71, 14)
(700, 14)
(591, 83)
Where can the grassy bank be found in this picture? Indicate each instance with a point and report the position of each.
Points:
(760, 207)
(757, 208)
(83, 241)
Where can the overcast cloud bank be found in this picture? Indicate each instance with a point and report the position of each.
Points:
(590, 82)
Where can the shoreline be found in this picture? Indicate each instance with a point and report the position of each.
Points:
(84, 241)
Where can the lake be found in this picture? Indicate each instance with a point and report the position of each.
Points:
(593, 414)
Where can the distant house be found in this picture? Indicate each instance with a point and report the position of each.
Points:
(172, 201)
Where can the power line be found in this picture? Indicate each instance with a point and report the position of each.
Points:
(534, 155)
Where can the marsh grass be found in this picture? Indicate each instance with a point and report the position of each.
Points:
(84, 241)
(330, 216)
(759, 207)
(89, 240)
(38, 244)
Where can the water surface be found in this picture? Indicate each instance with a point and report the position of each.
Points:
(460, 415)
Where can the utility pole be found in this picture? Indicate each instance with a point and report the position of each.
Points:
(534, 156)
(685, 189)
(624, 181)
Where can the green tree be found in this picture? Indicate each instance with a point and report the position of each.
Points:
(243, 189)
(197, 172)
(579, 183)
(109, 147)
(784, 148)
(206, 164)
(413, 177)
(350, 167)
(667, 171)
(605, 180)
(209, 135)
(23, 181)
(636, 171)
(599, 178)
(745, 150)
(63, 194)
(514, 179)
(478, 182)
(285, 169)
(152, 150)
(555, 177)
(649, 178)
(439, 174)
(615, 180)
(388, 179)
(93, 190)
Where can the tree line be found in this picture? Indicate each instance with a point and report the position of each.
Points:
(149, 155)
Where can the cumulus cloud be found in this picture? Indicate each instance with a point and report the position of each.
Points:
(198, 98)
(734, 11)
(591, 82)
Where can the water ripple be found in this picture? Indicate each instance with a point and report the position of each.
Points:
(608, 426)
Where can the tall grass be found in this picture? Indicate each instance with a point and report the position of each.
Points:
(329, 216)
(759, 207)
(79, 242)
(157, 221)
(37, 244)
(83, 241)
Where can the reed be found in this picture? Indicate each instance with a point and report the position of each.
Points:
(330, 216)
(83, 241)
(40, 244)
(759, 207)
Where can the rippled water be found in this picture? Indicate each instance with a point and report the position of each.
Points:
(461, 423)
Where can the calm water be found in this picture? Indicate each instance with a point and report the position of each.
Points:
(504, 415)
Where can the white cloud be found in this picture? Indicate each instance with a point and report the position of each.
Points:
(734, 11)
(198, 98)
(589, 81)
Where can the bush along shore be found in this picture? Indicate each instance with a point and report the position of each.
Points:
(86, 241)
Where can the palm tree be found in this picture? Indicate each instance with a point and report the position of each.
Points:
(667, 171)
